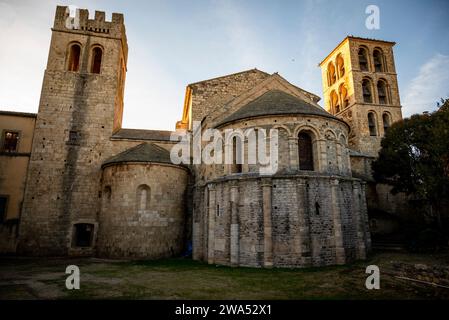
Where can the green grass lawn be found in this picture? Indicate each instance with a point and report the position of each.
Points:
(27, 278)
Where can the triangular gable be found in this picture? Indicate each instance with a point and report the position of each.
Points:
(274, 82)
(184, 123)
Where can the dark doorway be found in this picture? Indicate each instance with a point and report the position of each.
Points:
(83, 234)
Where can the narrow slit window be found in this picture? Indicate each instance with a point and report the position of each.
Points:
(305, 150)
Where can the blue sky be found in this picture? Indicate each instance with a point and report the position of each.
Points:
(173, 43)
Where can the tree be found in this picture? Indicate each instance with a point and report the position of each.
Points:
(443, 105)
(414, 158)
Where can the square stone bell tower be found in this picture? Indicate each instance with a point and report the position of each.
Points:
(360, 86)
(81, 105)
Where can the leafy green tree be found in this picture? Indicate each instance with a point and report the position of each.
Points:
(415, 158)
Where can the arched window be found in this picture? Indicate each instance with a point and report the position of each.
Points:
(372, 124)
(344, 96)
(305, 151)
(382, 92)
(386, 118)
(237, 152)
(74, 57)
(332, 77)
(335, 105)
(340, 66)
(363, 59)
(378, 59)
(366, 89)
(143, 197)
(96, 57)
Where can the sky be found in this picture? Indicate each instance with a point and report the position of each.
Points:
(174, 43)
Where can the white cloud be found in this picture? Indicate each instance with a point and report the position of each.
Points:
(426, 89)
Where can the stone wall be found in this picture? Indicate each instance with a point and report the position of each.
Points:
(210, 94)
(284, 221)
(329, 139)
(136, 225)
(77, 115)
(293, 218)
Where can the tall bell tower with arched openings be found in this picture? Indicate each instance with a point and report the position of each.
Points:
(360, 86)
(81, 105)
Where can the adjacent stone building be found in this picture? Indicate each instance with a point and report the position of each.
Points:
(16, 130)
(94, 188)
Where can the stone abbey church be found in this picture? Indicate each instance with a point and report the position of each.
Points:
(74, 182)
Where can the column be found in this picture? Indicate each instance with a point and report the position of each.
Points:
(234, 232)
(338, 232)
(341, 166)
(211, 225)
(304, 230)
(267, 227)
(322, 156)
(198, 226)
(358, 221)
(245, 164)
(293, 154)
(205, 224)
(364, 215)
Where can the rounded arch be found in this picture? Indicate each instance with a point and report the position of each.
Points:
(372, 123)
(367, 90)
(74, 56)
(237, 133)
(383, 91)
(143, 197)
(284, 127)
(331, 74)
(340, 65)
(335, 103)
(363, 55)
(96, 58)
(342, 139)
(379, 60)
(330, 134)
(343, 92)
(307, 127)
